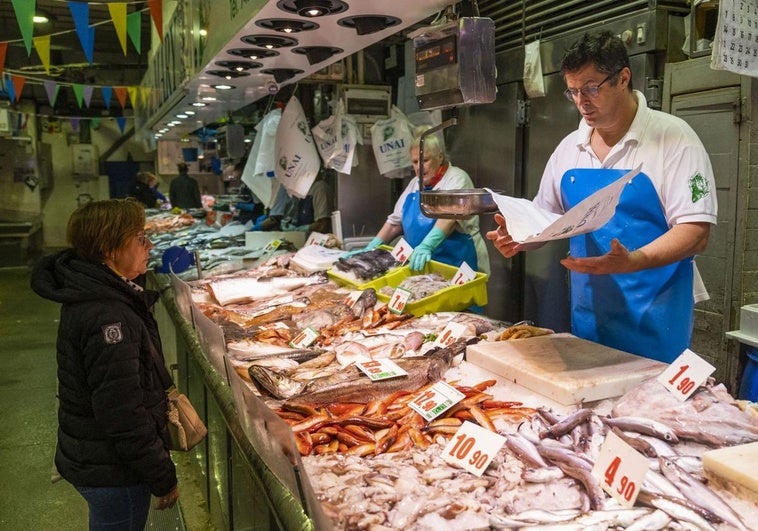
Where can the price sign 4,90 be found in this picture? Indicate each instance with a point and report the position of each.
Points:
(620, 470)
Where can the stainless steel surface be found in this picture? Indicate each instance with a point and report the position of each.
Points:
(457, 204)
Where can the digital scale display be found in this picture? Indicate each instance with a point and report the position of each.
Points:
(436, 54)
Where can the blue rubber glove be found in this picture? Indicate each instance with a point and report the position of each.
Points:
(373, 244)
(422, 253)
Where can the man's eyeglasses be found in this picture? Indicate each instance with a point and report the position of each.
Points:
(143, 239)
(588, 91)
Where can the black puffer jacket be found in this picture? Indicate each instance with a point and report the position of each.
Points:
(112, 405)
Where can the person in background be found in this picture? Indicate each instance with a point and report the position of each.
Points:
(278, 206)
(444, 240)
(184, 191)
(142, 190)
(632, 279)
(311, 213)
(248, 207)
(113, 444)
(154, 183)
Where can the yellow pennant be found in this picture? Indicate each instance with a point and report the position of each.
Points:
(117, 11)
(42, 45)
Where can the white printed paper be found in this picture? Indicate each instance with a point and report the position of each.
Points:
(527, 223)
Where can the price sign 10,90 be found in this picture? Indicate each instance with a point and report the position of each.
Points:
(472, 448)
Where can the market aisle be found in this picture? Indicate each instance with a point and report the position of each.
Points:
(28, 498)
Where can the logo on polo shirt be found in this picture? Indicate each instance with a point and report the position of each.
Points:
(699, 187)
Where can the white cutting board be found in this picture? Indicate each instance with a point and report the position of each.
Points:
(563, 367)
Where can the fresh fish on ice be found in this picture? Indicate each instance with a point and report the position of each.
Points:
(231, 290)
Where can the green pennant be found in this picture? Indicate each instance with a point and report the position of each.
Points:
(134, 29)
(79, 93)
(24, 10)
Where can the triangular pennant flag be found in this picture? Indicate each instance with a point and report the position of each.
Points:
(95, 122)
(156, 13)
(120, 95)
(117, 11)
(51, 87)
(75, 124)
(87, 93)
(145, 96)
(85, 32)
(18, 86)
(42, 45)
(134, 29)
(8, 85)
(121, 121)
(107, 93)
(79, 93)
(3, 50)
(24, 10)
(133, 95)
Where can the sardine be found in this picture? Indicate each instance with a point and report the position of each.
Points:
(698, 493)
(643, 425)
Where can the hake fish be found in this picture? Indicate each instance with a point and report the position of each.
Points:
(232, 290)
(351, 385)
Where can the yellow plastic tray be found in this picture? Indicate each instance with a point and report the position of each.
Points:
(352, 283)
(451, 299)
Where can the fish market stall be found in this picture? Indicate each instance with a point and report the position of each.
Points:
(283, 355)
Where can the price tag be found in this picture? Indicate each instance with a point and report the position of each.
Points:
(463, 275)
(620, 470)
(381, 369)
(449, 334)
(352, 298)
(398, 300)
(686, 374)
(472, 448)
(316, 238)
(305, 338)
(436, 400)
(272, 246)
(402, 251)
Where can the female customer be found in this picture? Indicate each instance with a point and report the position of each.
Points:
(112, 438)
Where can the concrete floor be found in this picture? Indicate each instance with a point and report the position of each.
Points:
(28, 498)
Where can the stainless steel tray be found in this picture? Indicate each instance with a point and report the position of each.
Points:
(457, 204)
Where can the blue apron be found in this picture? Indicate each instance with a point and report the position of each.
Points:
(457, 248)
(648, 313)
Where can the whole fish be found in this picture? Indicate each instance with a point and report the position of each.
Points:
(698, 493)
(525, 450)
(567, 424)
(351, 385)
(231, 290)
(675, 508)
(643, 425)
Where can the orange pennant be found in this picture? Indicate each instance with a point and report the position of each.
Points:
(156, 13)
(18, 85)
(120, 95)
(3, 50)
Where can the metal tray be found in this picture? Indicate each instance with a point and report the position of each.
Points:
(457, 204)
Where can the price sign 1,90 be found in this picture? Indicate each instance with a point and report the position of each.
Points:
(472, 448)
(685, 374)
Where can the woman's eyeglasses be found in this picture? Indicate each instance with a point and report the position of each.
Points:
(588, 91)
(143, 239)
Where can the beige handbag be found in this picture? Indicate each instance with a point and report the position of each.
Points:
(185, 427)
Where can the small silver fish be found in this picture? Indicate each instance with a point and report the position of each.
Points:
(643, 425)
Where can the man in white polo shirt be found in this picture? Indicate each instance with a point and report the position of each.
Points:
(632, 279)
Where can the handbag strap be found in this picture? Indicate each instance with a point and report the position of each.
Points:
(163, 373)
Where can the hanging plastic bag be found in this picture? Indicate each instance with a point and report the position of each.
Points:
(534, 84)
(259, 169)
(297, 160)
(336, 138)
(391, 139)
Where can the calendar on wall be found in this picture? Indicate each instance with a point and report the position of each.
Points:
(735, 43)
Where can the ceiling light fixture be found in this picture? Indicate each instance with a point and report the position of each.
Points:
(312, 8)
(252, 53)
(282, 74)
(238, 66)
(40, 17)
(285, 25)
(181, 115)
(227, 74)
(199, 104)
(317, 54)
(367, 24)
(223, 87)
(189, 113)
(269, 41)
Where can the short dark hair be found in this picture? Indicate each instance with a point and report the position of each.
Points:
(604, 50)
(182, 167)
(97, 229)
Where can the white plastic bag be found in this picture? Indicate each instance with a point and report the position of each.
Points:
(336, 138)
(259, 169)
(391, 139)
(297, 160)
(534, 84)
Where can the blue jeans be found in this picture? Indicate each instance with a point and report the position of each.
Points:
(117, 508)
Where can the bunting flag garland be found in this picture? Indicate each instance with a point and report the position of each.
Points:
(24, 10)
(107, 92)
(121, 121)
(85, 32)
(117, 11)
(132, 91)
(120, 95)
(8, 86)
(18, 86)
(79, 93)
(156, 12)
(75, 124)
(87, 93)
(3, 50)
(134, 29)
(42, 45)
(51, 88)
